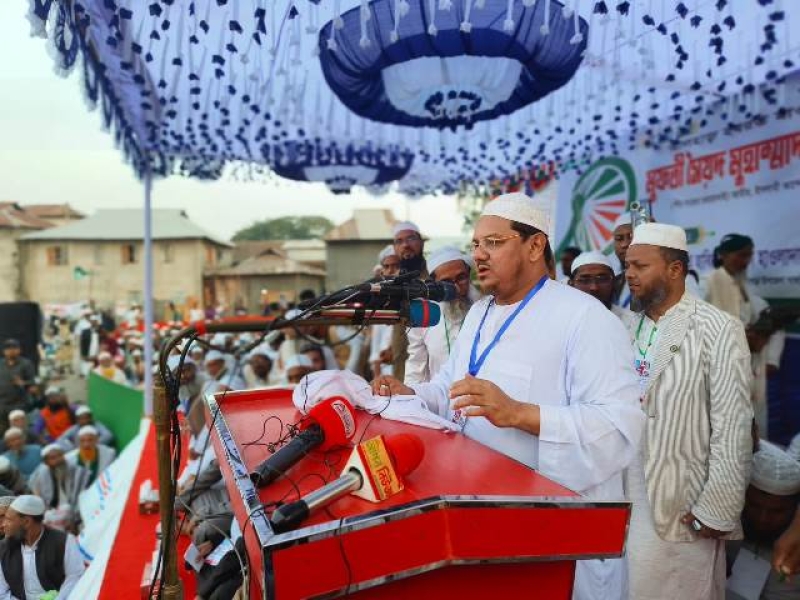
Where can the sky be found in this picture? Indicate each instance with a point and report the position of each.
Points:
(53, 150)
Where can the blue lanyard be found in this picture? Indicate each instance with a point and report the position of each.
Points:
(475, 362)
(627, 301)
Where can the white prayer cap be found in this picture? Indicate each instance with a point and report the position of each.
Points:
(174, 360)
(16, 414)
(83, 410)
(50, 448)
(660, 234)
(214, 355)
(520, 208)
(386, 253)
(196, 349)
(28, 505)
(220, 339)
(404, 226)
(794, 448)
(292, 313)
(774, 471)
(262, 350)
(623, 219)
(104, 356)
(298, 360)
(12, 431)
(52, 390)
(5, 501)
(446, 254)
(5, 464)
(87, 430)
(591, 257)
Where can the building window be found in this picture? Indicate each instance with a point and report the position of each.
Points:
(129, 254)
(98, 254)
(210, 255)
(169, 254)
(57, 256)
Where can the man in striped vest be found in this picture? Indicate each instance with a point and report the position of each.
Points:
(689, 482)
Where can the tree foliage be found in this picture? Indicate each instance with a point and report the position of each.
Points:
(285, 228)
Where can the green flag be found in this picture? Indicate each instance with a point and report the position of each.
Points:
(79, 273)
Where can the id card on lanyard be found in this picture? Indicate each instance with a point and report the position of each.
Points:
(476, 362)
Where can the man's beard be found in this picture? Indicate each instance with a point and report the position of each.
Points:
(413, 263)
(653, 297)
(456, 310)
(19, 535)
(59, 472)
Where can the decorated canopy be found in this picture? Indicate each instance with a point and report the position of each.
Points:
(430, 93)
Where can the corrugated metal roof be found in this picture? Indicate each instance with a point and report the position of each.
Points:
(14, 216)
(53, 211)
(119, 224)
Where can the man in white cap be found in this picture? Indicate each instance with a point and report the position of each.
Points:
(259, 366)
(770, 504)
(409, 247)
(84, 416)
(106, 368)
(622, 235)
(540, 372)
(25, 457)
(221, 376)
(90, 454)
(593, 274)
(297, 367)
(380, 354)
(429, 347)
(59, 483)
(36, 559)
(5, 502)
(688, 484)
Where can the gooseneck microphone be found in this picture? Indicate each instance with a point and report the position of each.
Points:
(374, 472)
(330, 423)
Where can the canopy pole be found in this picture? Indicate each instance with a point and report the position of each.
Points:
(148, 295)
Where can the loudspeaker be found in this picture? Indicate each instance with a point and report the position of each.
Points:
(22, 321)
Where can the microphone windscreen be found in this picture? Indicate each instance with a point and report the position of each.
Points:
(336, 417)
(423, 313)
(406, 451)
(449, 291)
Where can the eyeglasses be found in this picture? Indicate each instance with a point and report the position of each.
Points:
(407, 240)
(597, 279)
(491, 243)
(457, 280)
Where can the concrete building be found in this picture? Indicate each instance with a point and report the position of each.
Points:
(101, 258)
(57, 214)
(352, 248)
(15, 222)
(266, 276)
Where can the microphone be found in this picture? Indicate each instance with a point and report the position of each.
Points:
(420, 313)
(330, 423)
(438, 291)
(374, 472)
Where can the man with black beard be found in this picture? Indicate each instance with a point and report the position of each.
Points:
(688, 483)
(408, 245)
(429, 347)
(59, 483)
(36, 560)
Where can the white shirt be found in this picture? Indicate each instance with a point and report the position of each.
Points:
(73, 569)
(429, 348)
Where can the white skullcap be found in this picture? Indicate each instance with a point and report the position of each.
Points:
(174, 360)
(214, 355)
(5, 501)
(52, 390)
(623, 219)
(83, 410)
(12, 431)
(220, 339)
(262, 350)
(774, 471)
(591, 257)
(404, 226)
(15, 414)
(298, 360)
(88, 430)
(5, 464)
(104, 356)
(292, 313)
(136, 352)
(447, 254)
(28, 505)
(520, 208)
(794, 448)
(660, 234)
(386, 253)
(51, 448)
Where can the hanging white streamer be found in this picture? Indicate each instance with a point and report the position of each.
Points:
(432, 30)
(578, 37)
(508, 24)
(545, 28)
(364, 14)
(466, 26)
(398, 9)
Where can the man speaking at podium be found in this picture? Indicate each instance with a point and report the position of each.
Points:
(541, 372)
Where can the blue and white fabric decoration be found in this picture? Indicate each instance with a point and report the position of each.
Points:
(464, 90)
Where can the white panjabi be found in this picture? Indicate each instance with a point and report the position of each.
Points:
(660, 234)
(520, 208)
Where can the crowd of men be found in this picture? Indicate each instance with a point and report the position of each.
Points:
(622, 377)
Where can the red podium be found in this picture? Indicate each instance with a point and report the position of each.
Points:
(470, 523)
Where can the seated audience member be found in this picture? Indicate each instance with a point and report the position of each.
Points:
(297, 367)
(55, 418)
(25, 457)
(18, 419)
(84, 416)
(90, 454)
(108, 370)
(59, 483)
(221, 376)
(770, 504)
(36, 560)
(316, 355)
(5, 502)
(258, 368)
(12, 482)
